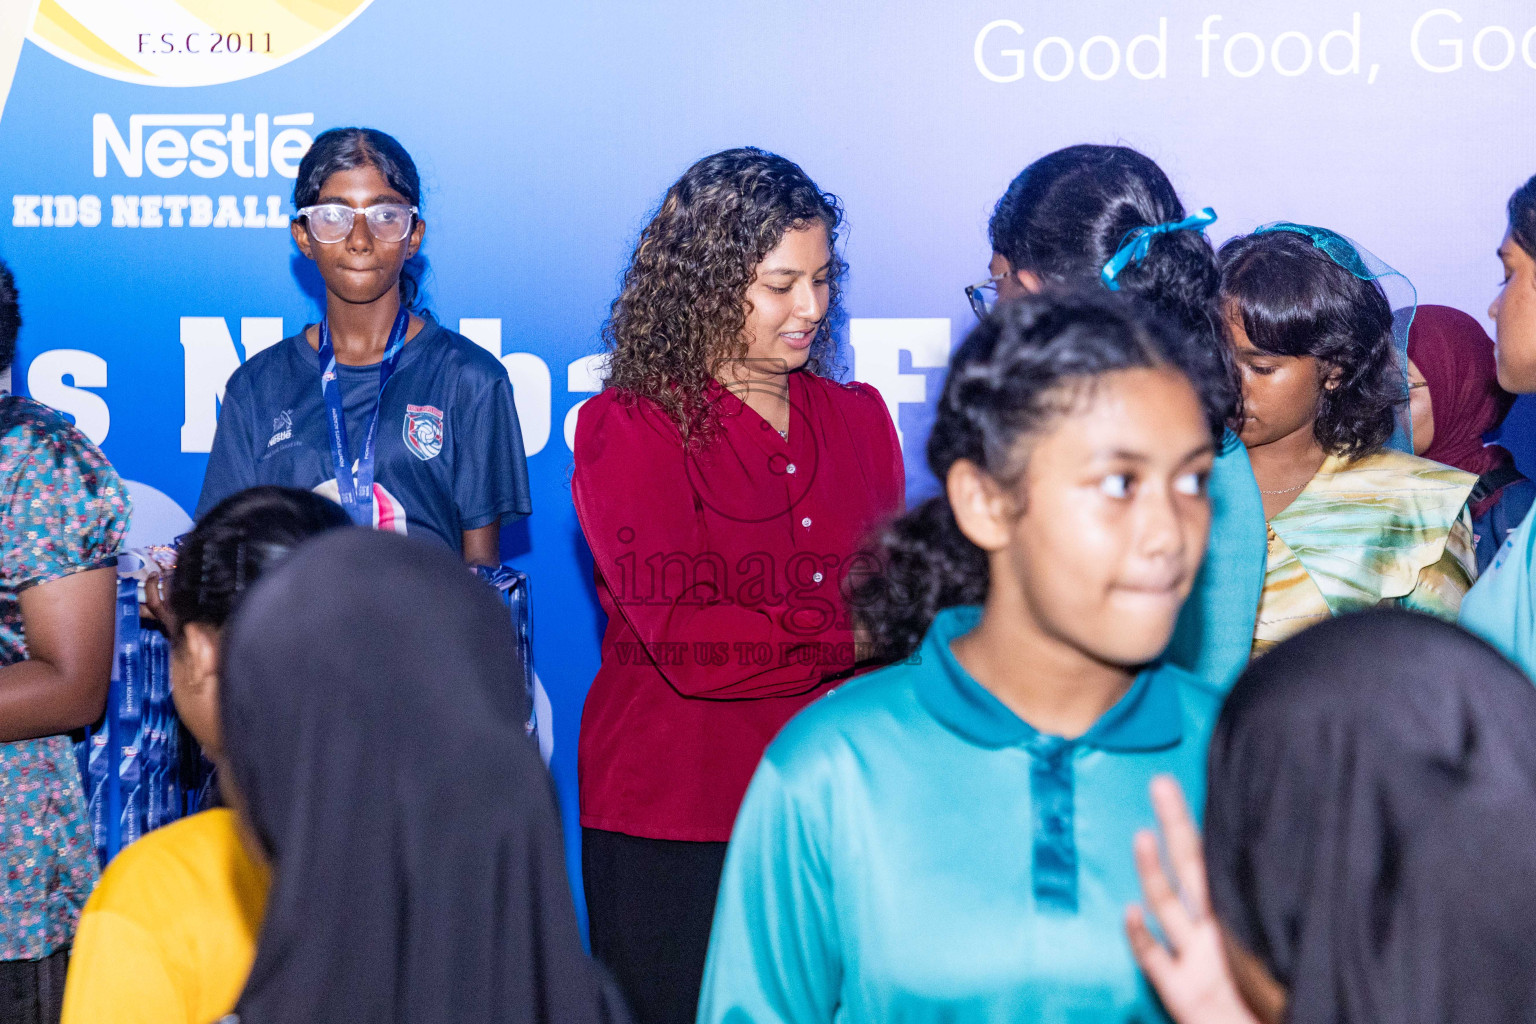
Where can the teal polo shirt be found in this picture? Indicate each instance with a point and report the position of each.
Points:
(1214, 635)
(910, 849)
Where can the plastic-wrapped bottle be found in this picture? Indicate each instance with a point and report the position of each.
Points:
(130, 775)
(139, 771)
(512, 586)
(103, 776)
(159, 732)
(97, 778)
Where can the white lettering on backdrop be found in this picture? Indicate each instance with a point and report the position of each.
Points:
(60, 377)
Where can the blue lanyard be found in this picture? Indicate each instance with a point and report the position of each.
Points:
(356, 495)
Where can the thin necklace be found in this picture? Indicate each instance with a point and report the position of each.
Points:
(783, 433)
(1287, 490)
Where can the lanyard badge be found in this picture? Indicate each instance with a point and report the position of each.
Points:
(356, 492)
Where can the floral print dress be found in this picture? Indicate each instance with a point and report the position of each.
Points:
(63, 510)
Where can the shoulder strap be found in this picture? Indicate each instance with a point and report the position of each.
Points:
(1494, 481)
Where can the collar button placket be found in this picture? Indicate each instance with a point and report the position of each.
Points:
(1054, 851)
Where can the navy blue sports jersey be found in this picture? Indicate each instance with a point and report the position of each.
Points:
(449, 455)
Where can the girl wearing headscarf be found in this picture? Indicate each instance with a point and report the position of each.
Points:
(945, 840)
(1353, 523)
(1370, 803)
(373, 716)
(169, 934)
(1456, 399)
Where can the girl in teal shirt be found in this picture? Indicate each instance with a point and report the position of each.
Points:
(948, 839)
(1501, 606)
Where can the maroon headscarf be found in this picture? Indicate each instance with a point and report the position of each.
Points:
(1455, 355)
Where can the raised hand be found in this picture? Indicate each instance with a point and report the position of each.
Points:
(1190, 973)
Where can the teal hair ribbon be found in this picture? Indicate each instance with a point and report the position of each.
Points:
(1139, 240)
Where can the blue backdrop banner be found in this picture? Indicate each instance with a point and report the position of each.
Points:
(149, 147)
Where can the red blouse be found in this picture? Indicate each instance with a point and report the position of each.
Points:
(719, 572)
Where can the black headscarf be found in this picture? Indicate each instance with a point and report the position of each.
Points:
(1371, 823)
(374, 725)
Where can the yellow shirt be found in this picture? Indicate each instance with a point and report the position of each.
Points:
(169, 935)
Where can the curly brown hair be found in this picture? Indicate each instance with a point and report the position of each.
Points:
(682, 312)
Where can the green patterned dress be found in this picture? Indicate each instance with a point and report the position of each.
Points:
(1386, 528)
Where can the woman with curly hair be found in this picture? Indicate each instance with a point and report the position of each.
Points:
(724, 482)
(1352, 524)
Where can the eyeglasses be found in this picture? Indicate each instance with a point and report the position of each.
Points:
(983, 295)
(387, 222)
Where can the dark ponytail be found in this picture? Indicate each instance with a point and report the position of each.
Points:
(927, 565)
(1015, 373)
(1067, 213)
(238, 540)
(343, 149)
(1522, 217)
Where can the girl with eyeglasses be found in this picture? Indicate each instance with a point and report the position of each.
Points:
(411, 427)
(1107, 216)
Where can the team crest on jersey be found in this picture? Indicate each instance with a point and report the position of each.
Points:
(424, 431)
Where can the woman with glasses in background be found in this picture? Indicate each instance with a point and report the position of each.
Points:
(409, 426)
(1108, 216)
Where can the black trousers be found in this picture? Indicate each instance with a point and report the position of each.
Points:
(32, 991)
(649, 907)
